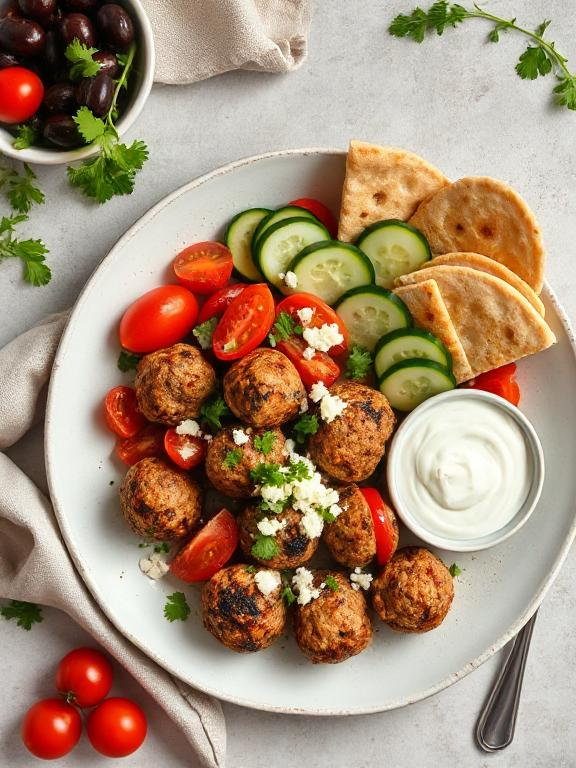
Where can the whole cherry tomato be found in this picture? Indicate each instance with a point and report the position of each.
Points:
(51, 728)
(21, 93)
(117, 727)
(84, 676)
(121, 412)
(321, 211)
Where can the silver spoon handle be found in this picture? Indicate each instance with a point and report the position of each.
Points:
(497, 721)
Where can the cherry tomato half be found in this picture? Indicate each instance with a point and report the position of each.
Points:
(84, 676)
(320, 368)
(208, 551)
(121, 412)
(51, 728)
(21, 93)
(186, 451)
(147, 443)
(323, 314)
(245, 323)
(158, 319)
(117, 727)
(215, 305)
(204, 267)
(321, 211)
(385, 525)
(500, 381)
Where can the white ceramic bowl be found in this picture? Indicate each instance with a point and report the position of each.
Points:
(484, 542)
(139, 86)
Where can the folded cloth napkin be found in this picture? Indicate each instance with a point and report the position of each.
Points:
(35, 565)
(196, 39)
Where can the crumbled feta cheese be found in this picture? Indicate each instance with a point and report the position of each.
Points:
(323, 338)
(303, 582)
(335, 510)
(318, 391)
(305, 315)
(311, 524)
(240, 437)
(304, 406)
(154, 566)
(281, 276)
(269, 527)
(186, 452)
(275, 493)
(267, 581)
(189, 427)
(332, 406)
(308, 353)
(313, 493)
(360, 579)
(230, 346)
(291, 280)
(289, 447)
(206, 436)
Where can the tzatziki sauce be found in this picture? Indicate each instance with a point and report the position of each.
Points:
(465, 469)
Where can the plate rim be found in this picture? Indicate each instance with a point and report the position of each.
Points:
(398, 703)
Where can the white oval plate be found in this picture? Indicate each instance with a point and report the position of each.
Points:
(498, 590)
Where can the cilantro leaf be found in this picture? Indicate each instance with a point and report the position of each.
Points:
(288, 595)
(176, 608)
(128, 361)
(541, 28)
(37, 273)
(297, 470)
(265, 547)
(233, 458)
(332, 583)
(213, 411)
(533, 63)
(22, 193)
(25, 613)
(443, 14)
(267, 474)
(264, 443)
(455, 570)
(359, 363)
(250, 569)
(283, 328)
(80, 56)
(89, 126)
(566, 92)
(30, 252)
(413, 25)
(26, 136)
(327, 515)
(306, 425)
(163, 548)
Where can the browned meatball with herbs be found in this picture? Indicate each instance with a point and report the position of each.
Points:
(171, 384)
(350, 538)
(228, 465)
(294, 547)
(263, 389)
(414, 591)
(238, 614)
(160, 501)
(350, 447)
(334, 626)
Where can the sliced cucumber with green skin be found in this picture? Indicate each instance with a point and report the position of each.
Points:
(273, 217)
(276, 248)
(394, 248)
(329, 270)
(408, 344)
(239, 240)
(410, 382)
(369, 312)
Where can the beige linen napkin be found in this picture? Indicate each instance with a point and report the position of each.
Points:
(196, 39)
(35, 565)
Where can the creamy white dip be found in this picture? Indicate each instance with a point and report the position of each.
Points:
(464, 469)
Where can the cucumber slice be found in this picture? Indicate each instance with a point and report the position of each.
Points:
(410, 382)
(277, 247)
(273, 217)
(330, 269)
(239, 239)
(394, 248)
(407, 344)
(369, 312)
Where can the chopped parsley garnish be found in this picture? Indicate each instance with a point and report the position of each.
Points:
(176, 608)
(332, 583)
(128, 361)
(359, 363)
(214, 411)
(327, 515)
(250, 569)
(233, 458)
(276, 507)
(306, 425)
(297, 470)
(455, 570)
(25, 613)
(288, 595)
(163, 548)
(283, 328)
(265, 442)
(265, 547)
(205, 331)
(267, 474)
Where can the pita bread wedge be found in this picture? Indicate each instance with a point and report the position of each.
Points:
(383, 183)
(494, 322)
(491, 267)
(429, 312)
(485, 216)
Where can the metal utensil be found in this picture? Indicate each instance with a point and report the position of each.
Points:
(497, 721)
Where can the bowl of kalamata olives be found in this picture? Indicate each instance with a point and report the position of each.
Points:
(72, 73)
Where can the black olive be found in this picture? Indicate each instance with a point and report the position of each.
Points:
(62, 131)
(96, 93)
(9, 8)
(81, 5)
(108, 63)
(115, 26)
(21, 36)
(77, 25)
(59, 98)
(8, 60)
(40, 10)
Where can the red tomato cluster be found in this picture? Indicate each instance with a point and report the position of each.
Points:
(116, 727)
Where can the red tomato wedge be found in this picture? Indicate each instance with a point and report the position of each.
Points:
(245, 323)
(385, 526)
(323, 315)
(147, 443)
(321, 211)
(158, 319)
(204, 267)
(121, 412)
(500, 381)
(208, 551)
(215, 305)
(320, 368)
(186, 451)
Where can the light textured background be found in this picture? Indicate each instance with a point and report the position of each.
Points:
(458, 103)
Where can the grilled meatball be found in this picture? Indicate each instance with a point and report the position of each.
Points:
(350, 447)
(235, 480)
(236, 612)
(171, 384)
(414, 591)
(350, 538)
(334, 626)
(263, 389)
(295, 548)
(159, 501)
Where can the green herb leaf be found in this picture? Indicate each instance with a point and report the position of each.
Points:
(264, 443)
(533, 63)
(359, 363)
(541, 28)
(163, 548)
(327, 515)
(128, 361)
(267, 474)
(250, 569)
(89, 126)
(413, 25)
(26, 136)
(283, 328)
(443, 14)
(455, 570)
(288, 595)
(22, 193)
(205, 331)
(176, 608)
(306, 425)
(566, 92)
(265, 547)
(297, 470)
(80, 56)
(233, 458)
(332, 583)
(213, 411)
(30, 252)
(25, 613)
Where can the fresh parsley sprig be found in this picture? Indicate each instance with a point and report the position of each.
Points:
(538, 60)
(20, 189)
(264, 443)
(26, 136)
(26, 614)
(233, 458)
(265, 547)
(80, 56)
(359, 363)
(31, 252)
(306, 425)
(176, 608)
(128, 361)
(213, 411)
